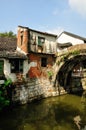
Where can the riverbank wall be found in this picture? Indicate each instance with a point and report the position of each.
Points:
(35, 89)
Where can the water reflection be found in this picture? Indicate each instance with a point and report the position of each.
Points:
(49, 114)
(80, 120)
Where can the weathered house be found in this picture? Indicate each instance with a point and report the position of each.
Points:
(30, 57)
(40, 47)
(11, 61)
(30, 53)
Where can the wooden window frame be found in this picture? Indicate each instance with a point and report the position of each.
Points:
(41, 41)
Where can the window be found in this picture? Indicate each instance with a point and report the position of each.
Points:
(43, 62)
(21, 37)
(16, 66)
(41, 41)
(1, 67)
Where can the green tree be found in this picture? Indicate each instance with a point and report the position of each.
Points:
(8, 34)
(4, 94)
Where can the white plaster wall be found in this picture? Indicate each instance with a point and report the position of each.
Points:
(7, 70)
(49, 40)
(26, 66)
(66, 38)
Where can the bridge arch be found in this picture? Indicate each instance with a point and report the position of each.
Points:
(72, 68)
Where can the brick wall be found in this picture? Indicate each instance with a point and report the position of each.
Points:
(23, 39)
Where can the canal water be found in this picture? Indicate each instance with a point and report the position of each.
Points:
(57, 113)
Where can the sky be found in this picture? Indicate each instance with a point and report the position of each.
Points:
(53, 16)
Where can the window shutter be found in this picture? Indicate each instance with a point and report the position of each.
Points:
(39, 42)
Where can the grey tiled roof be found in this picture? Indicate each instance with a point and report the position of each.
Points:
(8, 48)
(68, 44)
(12, 55)
(8, 44)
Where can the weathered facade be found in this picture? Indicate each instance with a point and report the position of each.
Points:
(40, 48)
(35, 41)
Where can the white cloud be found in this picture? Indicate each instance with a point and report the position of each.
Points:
(79, 6)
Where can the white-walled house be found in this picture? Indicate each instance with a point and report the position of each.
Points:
(66, 39)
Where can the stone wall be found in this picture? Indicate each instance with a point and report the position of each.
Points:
(34, 89)
(83, 81)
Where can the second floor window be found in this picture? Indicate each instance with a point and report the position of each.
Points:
(41, 41)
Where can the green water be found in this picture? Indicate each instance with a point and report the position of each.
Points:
(55, 113)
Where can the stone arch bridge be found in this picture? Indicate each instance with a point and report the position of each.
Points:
(70, 69)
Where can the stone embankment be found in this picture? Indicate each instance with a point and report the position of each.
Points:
(35, 89)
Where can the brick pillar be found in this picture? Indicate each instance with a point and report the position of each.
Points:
(23, 39)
